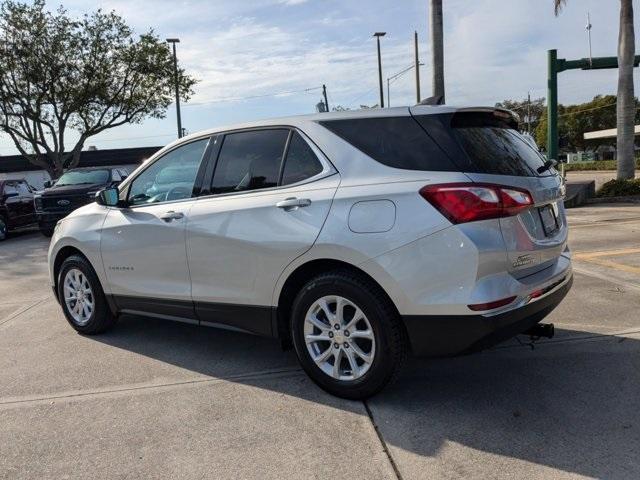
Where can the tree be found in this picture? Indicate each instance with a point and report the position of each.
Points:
(575, 120)
(626, 105)
(529, 112)
(59, 74)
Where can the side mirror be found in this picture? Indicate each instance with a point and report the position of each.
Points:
(47, 184)
(109, 197)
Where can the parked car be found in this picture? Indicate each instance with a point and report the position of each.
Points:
(75, 188)
(16, 205)
(356, 237)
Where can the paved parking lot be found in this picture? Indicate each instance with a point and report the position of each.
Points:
(153, 399)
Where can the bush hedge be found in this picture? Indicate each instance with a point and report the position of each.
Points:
(597, 165)
(620, 188)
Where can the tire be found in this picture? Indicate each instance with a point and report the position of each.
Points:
(387, 351)
(3, 229)
(99, 318)
(46, 230)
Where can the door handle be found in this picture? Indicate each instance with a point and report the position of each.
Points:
(171, 215)
(293, 203)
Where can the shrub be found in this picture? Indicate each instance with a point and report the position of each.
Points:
(620, 188)
(597, 165)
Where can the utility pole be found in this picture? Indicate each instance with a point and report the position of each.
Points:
(437, 48)
(173, 41)
(588, 27)
(416, 66)
(324, 93)
(529, 113)
(378, 35)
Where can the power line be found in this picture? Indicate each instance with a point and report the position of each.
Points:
(586, 110)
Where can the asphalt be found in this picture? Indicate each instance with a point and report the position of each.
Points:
(154, 399)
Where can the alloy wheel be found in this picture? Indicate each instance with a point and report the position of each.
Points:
(339, 338)
(78, 296)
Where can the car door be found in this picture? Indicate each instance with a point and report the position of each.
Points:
(143, 243)
(258, 216)
(26, 200)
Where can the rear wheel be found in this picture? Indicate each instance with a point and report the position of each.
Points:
(347, 335)
(81, 297)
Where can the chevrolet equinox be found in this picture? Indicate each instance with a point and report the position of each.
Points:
(355, 237)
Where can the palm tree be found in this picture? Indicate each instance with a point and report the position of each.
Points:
(626, 104)
(437, 48)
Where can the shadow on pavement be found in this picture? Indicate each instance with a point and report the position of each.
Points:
(569, 405)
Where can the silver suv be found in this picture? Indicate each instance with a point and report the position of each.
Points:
(356, 237)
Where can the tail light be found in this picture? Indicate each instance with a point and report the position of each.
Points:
(491, 305)
(468, 202)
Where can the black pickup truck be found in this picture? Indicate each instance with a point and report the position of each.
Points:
(16, 205)
(75, 188)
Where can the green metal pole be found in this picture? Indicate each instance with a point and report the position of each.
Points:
(552, 105)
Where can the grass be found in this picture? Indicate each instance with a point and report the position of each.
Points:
(620, 188)
(597, 165)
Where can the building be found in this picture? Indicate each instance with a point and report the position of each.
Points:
(16, 166)
(606, 150)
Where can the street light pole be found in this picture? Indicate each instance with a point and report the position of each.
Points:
(392, 78)
(173, 41)
(378, 35)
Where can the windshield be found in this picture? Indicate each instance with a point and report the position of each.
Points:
(80, 177)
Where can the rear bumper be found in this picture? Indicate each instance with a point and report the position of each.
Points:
(447, 335)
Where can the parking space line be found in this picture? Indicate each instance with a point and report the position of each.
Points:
(615, 265)
(589, 273)
(604, 253)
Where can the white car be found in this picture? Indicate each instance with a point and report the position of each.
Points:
(356, 237)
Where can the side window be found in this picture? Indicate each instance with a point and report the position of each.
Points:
(23, 188)
(10, 188)
(249, 160)
(398, 142)
(301, 163)
(115, 175)
(171, 177)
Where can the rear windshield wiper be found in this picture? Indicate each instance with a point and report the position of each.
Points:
(547, 165)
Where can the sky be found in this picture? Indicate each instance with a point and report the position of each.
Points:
(280, 52)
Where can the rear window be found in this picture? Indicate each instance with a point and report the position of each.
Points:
(397, 142)
(494, 146)
(481, 142)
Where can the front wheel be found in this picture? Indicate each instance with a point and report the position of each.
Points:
(81, 297)
(347, 335)
(46, 230)
(3, 229)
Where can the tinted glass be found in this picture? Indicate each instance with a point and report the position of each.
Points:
(249, 161)
(10, 188)
(301, 163)
(84, 177)
(23, 188)
(115, 176)
(494, 146)
(169, 178)
(398, 142)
